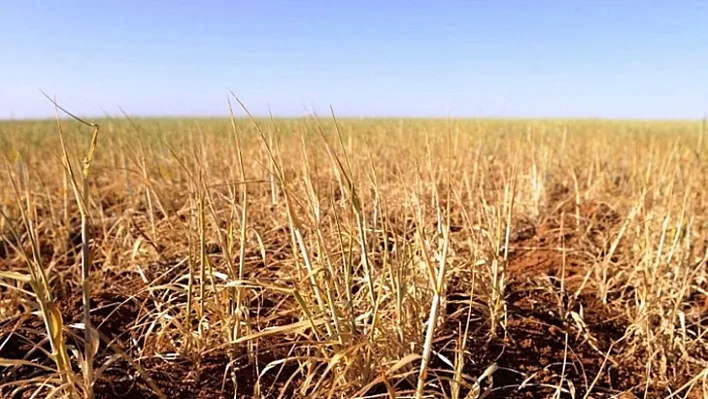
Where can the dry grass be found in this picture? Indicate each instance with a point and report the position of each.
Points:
(355, 258)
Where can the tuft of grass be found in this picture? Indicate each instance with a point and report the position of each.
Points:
(80, 188)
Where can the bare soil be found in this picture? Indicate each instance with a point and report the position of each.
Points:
(538, 348)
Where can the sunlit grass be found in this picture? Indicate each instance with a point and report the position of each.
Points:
(326, 251)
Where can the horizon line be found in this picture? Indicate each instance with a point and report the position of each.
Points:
(354, 117)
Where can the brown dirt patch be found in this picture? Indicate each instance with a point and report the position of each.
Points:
(213, 377)
(566, 239)
(113, 313)
(531, 349)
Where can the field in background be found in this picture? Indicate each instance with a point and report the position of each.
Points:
(372, 258)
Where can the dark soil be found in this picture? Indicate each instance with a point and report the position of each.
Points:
(113, 314)
(530, 348)
(208, 379)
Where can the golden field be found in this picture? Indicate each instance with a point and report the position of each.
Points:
(315, 257)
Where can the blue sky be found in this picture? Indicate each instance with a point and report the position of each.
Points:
(611, 59)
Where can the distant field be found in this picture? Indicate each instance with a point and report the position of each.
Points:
(372, 258)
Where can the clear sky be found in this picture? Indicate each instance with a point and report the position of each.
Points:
(523, 58)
